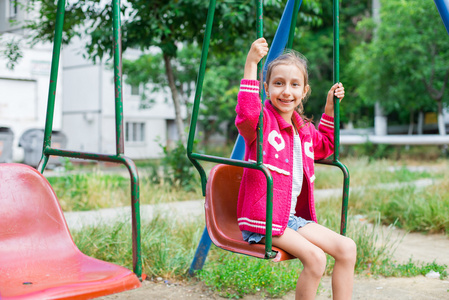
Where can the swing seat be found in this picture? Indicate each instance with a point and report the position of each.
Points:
(38, 258)
(222, 191)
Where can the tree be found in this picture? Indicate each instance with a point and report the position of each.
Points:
(406, 67)
(164, 24)
(11, 51)
(315, 40)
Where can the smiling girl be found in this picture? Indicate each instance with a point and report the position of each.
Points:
(290, 145)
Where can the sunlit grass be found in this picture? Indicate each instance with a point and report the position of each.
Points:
(168, 247)
(424, 209)
(366, 173)
(168, 244)
(96, 189)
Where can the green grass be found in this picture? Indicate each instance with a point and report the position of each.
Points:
(96, 189)
(411, 208)
(234, 275)
(364, 173)
(168, 245)
(88, 191)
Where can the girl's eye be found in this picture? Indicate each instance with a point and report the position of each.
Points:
(278, 83)
(295, 84)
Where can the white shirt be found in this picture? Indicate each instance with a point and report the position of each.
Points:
(297, 172)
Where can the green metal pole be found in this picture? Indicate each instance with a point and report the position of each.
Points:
(269, 207)
(135, 213)
(336, 17)
(291, 34)
(135, 205)
(119, 158)
(259, 29)
(117, 40)
(53, 82)
(198, 91)
(344, 208)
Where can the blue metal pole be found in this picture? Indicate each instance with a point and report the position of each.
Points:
(443, 9)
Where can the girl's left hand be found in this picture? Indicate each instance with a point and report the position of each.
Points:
(337, 90)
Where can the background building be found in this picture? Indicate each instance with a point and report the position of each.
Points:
(84, 109)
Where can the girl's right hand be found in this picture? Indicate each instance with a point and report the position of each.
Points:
(259, 49)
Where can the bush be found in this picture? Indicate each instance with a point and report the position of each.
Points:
(178, 170)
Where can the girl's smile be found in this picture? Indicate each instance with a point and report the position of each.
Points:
(286, 89)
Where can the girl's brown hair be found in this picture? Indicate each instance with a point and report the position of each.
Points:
(292, 57)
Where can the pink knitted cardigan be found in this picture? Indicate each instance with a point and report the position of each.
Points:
(278, 158)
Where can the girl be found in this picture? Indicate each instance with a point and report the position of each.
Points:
(290, 146)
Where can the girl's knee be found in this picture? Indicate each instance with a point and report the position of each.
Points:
(315, 263)
(347, 251)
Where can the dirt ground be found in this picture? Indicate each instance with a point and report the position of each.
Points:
(364, 288)
(422, 248)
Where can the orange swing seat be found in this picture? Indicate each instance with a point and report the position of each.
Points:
(222, 191)
(38, 258)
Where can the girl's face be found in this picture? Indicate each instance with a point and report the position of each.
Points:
(286, 89)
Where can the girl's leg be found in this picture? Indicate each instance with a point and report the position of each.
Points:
(311, 256)
(342, 249)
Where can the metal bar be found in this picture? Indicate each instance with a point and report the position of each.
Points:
(135, 194)
(269, 253)
(259, 32)
(135, 215)
(82, 155)
(201, 253)
(396, 139)
(228, 161)
(291, 34)
(345, 196)
(198, 91)
(335, 161)
(60, 11)
(117, 44)
(119, 158)
(443, 9)
(120, 144)
(336, 77)
(205, 242)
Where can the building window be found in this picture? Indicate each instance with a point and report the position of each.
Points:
(135, 132)
(13, 8)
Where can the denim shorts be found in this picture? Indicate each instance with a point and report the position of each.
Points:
(294, 223)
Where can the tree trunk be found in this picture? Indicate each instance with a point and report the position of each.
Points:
(175, 98)
(380, 120)
(441, 125)
(411, 122)
(420, 122)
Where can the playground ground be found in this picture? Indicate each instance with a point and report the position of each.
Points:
(425, 248)
(422, 248)
(364, 288)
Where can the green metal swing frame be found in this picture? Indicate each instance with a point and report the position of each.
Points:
(119, 157)
(258, 165)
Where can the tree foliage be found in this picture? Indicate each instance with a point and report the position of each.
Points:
(157, 23)
(406, 64)
(403, 65)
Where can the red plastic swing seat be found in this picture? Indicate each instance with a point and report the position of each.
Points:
(221, 213)
(38, 258)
